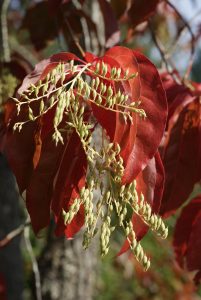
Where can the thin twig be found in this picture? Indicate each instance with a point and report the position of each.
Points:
(14, 233)
(186, 24)
(75, 39)
(160, 48)
(181, 32)
(86, 33)
(4, 30)
(168, 65)
(34, 263)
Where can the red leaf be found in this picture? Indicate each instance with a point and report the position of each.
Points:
(141, 10)
(194, 245)
(187, 243)
(178, 96)
(183, 228)
(41, 25)
(19, 149)
(181, 170)
(149, 131)
(40, 187)
(70, 179)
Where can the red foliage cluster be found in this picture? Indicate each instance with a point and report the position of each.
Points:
(181, 155)
(182, 143)
(53, 176)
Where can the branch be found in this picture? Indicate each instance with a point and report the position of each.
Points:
(169, 66)
(11, 235)
(34, 263)
(4, 30)
(159, 47)
(74, 38)
(186, 25)
(24, 228)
